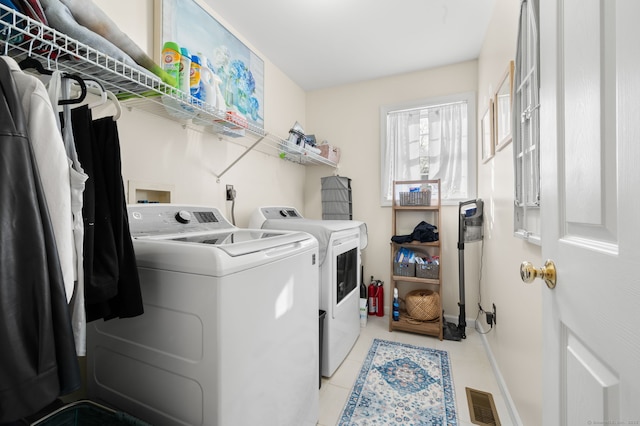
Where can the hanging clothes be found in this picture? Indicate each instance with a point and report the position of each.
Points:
(78, 179)
(128, 302)
(112, 285)
(57, 88)
(100, 258)
(37, 361)
(52, 161)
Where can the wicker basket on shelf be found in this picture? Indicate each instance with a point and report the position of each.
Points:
(423, 305)
(421, 198)
(427, 270)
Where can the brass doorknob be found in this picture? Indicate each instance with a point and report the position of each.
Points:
(528, 273)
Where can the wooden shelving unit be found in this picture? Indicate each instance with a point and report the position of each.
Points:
(427, 207)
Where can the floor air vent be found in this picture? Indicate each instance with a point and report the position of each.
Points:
(482, 408)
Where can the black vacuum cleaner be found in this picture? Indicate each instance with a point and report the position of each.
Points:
(470, 229)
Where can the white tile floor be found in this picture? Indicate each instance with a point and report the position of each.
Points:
(469, 366)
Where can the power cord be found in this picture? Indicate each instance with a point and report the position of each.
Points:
(231, 196)
(480, 277)
(488, 315)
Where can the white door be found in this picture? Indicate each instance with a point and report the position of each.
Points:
(590, 172)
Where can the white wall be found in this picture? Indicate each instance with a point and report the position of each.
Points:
(159, 151)
(516, 340)
(349, 117)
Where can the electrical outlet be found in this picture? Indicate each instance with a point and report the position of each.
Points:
(489, 316)
(495, 321)
(231, 193)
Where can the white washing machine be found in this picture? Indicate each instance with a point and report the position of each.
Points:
(230, 331)
(340, 243)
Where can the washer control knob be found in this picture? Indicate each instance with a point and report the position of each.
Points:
(283, 213)
(183, 216)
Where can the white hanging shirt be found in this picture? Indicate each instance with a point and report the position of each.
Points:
(53, 164)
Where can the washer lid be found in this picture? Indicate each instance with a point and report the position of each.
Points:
(221, 253)
(240, 241)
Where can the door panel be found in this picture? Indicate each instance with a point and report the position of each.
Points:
(590, 180)
(582, 36)
(589, 173)
(593, 391)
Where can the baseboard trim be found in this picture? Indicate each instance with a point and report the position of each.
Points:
(513, 411)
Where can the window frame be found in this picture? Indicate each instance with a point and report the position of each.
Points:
(470, 98)
(526, 126)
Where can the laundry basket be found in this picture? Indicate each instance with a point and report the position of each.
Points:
(423, 305)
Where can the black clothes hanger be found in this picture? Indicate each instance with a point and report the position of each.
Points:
(83, 90)
(32, 63)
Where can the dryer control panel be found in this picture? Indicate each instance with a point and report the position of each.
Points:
(280, 213)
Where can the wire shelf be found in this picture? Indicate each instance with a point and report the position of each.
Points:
(22, 37)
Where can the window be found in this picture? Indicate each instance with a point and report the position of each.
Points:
(526, 126)
(430, 139)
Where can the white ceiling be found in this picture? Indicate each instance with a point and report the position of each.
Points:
(325, 43)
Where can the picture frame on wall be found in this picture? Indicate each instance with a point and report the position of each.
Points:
(486, 133)
(503, 102)
(241, 71)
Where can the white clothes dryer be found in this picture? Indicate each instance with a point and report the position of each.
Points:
(340, 244)
(230, 331)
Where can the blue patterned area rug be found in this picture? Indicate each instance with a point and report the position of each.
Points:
(402, 385)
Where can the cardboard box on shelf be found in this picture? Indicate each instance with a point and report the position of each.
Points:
(330, 152)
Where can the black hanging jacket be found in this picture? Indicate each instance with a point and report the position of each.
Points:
(37, 356)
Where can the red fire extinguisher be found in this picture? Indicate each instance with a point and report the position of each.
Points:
(380, 299)
(372, 297)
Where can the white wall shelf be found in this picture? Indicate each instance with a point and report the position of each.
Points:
(22, 37)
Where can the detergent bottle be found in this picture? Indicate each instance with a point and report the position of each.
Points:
(194, 78)
(207, 82)
(396, 305)
(221, 105)
(184, 83)
(171, 60)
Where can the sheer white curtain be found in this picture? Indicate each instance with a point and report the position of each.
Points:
(447, 150)
(401, 154)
